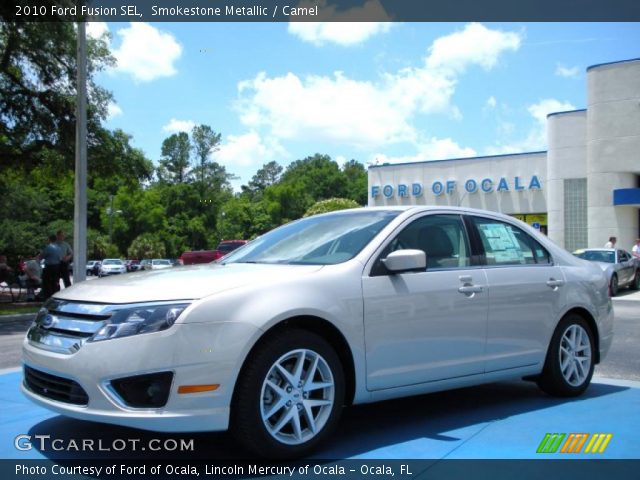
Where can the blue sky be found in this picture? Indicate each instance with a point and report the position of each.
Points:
(389, 92)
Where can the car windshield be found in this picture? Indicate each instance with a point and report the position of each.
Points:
(605, 256)
(161, 262)
(319, 240)
(112, 262)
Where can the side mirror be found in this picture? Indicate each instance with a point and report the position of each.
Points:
(406, 261)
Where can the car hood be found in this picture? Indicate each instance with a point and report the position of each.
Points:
(189, 282)
(604, 265)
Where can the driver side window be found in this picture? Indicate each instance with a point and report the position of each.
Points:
(441, 237)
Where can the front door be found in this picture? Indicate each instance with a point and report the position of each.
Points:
(426, 326)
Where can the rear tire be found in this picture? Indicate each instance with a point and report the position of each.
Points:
(289, 397)
(570, 362)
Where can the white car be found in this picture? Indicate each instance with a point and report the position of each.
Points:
(336, 309)
(160, 264)
(112, 266)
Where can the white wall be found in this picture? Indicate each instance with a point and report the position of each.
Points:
(566, 158)
(507, 166)
(613, 149)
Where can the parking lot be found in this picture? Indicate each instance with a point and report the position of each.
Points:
(496, 421)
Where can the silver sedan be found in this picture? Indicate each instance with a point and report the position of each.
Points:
(332, 310)
(621, 269)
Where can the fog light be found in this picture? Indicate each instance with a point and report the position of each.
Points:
(144, 391)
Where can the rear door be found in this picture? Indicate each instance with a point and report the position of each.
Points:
(526, 292)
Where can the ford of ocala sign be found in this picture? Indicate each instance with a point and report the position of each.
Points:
(485, 185)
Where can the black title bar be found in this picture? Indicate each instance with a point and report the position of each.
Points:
(320, 10)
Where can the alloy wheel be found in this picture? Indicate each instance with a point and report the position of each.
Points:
(297, 397)
(575, 355)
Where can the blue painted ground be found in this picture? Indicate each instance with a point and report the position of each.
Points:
(497, 421)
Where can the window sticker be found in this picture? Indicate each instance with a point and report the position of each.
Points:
(502, 242)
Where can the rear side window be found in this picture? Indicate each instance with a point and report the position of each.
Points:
(505, 244)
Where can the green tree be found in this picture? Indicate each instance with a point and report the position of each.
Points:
(174, 165)
(330, 205)
(319, 175)
(266, 176)
(147, 245)
(204, 142)
(356, 178)
(37, 90)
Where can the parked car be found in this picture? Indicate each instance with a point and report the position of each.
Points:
(132, 265)
(112, 266)
(145, 264)
(93, 267)
(227, 246)
(621, 268)
(208, 256)
(196, 257)
(342, 308)
(160, 263)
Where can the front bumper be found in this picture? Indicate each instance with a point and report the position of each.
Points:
(196, 354)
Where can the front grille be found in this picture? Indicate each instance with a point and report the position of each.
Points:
(64, 326)
(54, 387)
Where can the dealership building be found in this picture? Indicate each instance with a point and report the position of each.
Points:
(582, 190)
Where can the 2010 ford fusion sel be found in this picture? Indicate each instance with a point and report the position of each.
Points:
(337, 309)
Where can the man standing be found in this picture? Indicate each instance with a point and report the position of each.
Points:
(67, 255)
(52, 257)
(635, 251)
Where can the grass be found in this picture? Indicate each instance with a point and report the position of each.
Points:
(12, 309)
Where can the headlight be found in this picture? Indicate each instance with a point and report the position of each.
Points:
(143, 319)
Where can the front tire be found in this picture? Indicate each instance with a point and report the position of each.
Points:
(289, 396)
(614, 287)
(636, 281)
(570, 359)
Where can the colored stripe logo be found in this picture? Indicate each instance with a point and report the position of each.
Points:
(574, 443)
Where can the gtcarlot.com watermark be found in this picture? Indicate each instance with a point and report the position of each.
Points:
(46, 443)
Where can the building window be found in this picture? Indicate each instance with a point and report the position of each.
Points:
(575, 213)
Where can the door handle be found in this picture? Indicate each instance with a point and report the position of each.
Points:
(553, 283)
(470, 289)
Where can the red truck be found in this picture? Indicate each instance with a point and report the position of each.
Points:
(208, 256)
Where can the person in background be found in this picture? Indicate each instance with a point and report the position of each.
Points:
(611, 243)
(52, 257)
(67, 255)
(7, 274)
(32, 278)
(635, 250)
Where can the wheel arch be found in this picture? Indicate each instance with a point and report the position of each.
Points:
(320, 327)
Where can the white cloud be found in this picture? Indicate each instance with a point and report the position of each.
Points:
(491, 102)
(344, 27)
(113, 110)
(341, 160)
(430, 149)
(540, 110)
(146, 53)
(249, 149)
(368, 114)
(96, 29)
(340, 33)
(474, 45)
(175, 126)
(536, 138)
(567, 72)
